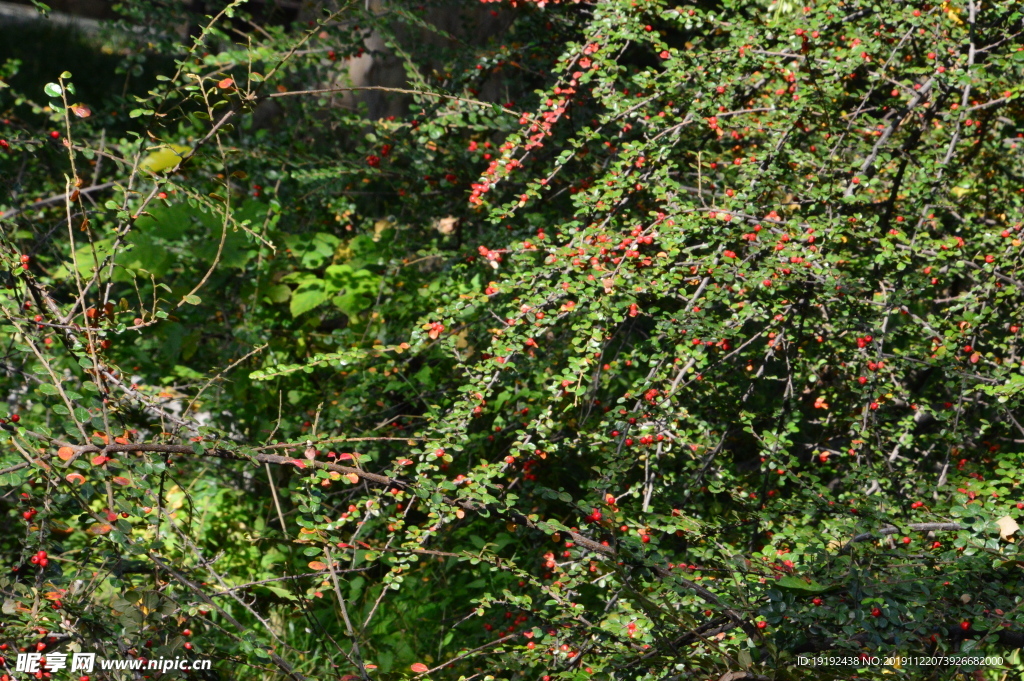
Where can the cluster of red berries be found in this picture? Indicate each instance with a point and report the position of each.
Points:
(40, 559)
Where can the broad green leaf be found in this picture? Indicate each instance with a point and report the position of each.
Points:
(307, 296)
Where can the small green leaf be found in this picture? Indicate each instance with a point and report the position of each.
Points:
(52, 90)
(193, 299)
(799, 584)
(279, 293)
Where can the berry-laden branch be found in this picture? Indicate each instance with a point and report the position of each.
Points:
(284, 666)
(737, 618)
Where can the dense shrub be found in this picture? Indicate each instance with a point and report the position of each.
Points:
(653, 342)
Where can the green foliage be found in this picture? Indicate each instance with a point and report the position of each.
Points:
(647, 342)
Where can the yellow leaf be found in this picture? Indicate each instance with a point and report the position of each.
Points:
(165, 157)
(952, 13)
(447, 225)
(1007, 526)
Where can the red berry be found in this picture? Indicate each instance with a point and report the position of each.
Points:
(54, 134)
(762, 624)
(875, 612)
(965, 625)
(25, 259)
(188, 646)
(816, 601)
(906, 540)
(15, 418)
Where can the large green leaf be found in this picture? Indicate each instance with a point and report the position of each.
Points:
(356, 288)
(307, 296)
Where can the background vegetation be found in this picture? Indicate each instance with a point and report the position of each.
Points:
(619, 340)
